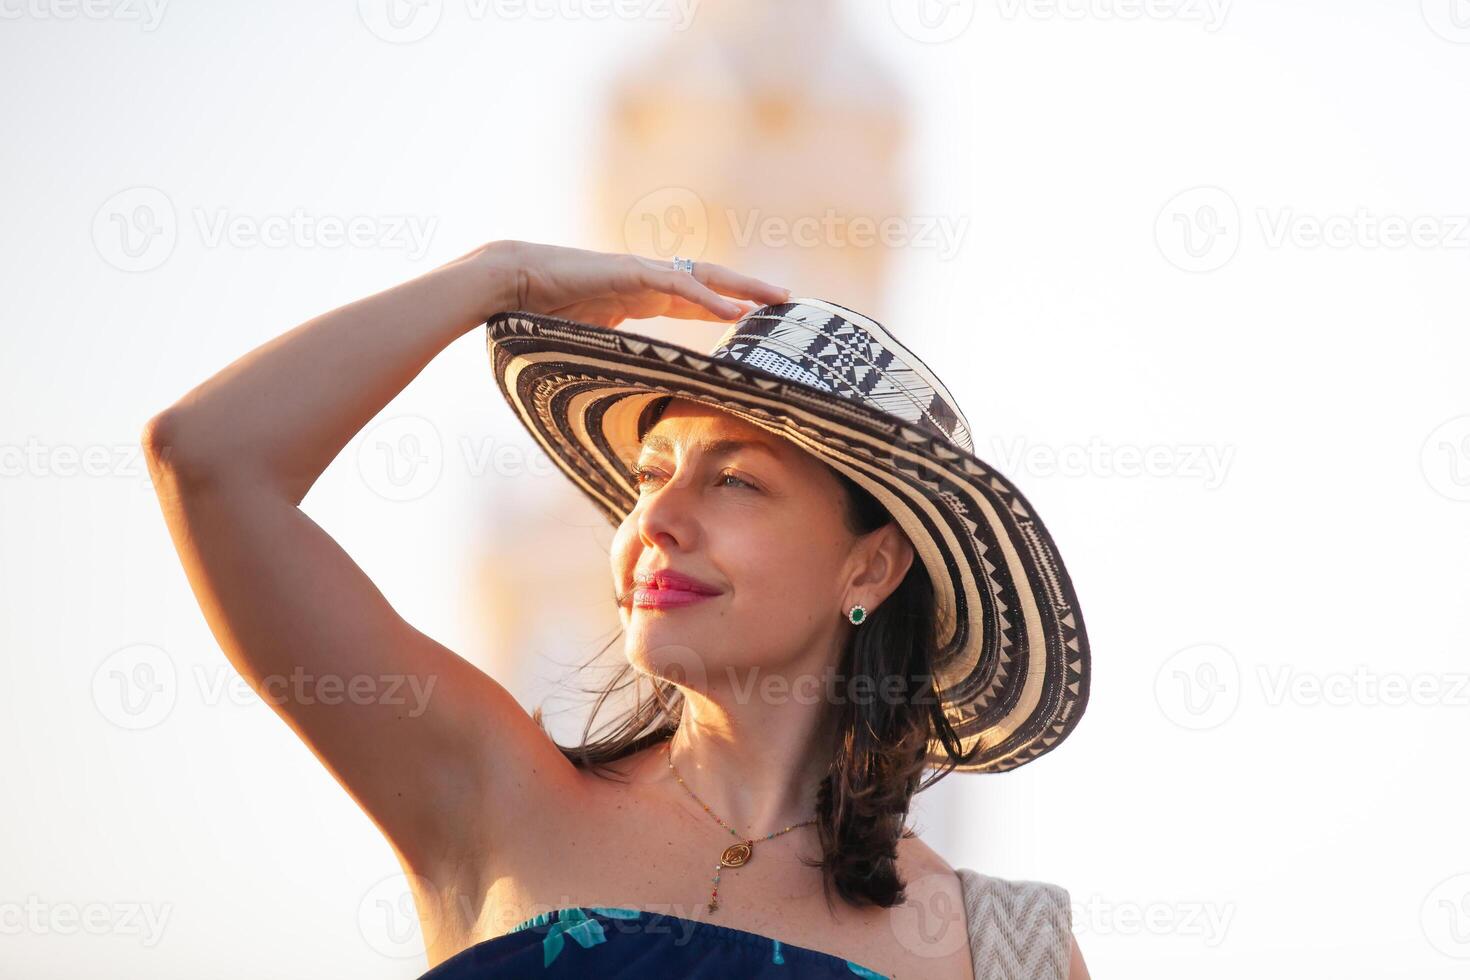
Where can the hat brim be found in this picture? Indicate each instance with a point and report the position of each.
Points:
(1014, 663)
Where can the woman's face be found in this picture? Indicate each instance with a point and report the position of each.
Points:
(760, 522)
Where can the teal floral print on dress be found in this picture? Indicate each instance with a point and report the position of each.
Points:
(576, 923)
(716, 951)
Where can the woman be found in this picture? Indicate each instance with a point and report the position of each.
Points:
(758, 579)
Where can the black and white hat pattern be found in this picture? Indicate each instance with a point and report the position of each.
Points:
(1013, 665)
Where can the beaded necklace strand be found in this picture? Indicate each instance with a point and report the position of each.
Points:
(736, 854)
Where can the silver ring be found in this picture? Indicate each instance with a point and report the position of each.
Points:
(686, 264)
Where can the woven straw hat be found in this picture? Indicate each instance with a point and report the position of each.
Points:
(1013, 666)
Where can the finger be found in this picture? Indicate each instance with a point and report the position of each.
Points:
(681, 283)
(732, 283)
(684, 310)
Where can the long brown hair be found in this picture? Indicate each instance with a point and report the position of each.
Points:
(882, 742)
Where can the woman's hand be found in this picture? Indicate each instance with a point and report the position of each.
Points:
(606, 288)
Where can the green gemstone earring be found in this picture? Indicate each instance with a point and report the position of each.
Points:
(857, 614)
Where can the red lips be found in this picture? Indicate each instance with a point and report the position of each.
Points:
(667, 578)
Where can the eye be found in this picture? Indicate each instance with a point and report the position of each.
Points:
(639, 472)
(727, 475)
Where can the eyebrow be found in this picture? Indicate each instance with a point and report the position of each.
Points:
(710, 447)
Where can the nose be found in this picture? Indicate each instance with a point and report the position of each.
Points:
(667, 513)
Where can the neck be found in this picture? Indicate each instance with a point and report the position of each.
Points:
(758, 768)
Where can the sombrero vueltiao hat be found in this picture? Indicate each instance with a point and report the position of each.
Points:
(1013, 665)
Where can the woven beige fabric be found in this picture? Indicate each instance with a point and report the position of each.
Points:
(1019, 930)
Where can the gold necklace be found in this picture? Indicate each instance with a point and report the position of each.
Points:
(736, 854)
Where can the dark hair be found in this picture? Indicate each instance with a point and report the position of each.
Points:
(882, 742)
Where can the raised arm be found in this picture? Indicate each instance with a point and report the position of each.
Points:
(418, 736)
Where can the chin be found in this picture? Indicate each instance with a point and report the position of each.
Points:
(670, 654)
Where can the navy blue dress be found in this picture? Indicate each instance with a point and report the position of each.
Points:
(628, 943)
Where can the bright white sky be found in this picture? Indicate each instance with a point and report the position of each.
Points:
(1296, 548)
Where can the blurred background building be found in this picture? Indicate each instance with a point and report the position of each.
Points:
(767, 137)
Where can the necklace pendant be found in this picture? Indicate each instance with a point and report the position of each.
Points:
(713, 906)
(735, 855)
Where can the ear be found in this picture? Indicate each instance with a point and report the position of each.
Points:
(885, 557)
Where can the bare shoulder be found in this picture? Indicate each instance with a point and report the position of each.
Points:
(930, 882)
(930, 926)
(928, 876)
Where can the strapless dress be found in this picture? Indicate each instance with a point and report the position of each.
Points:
(625, 943)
